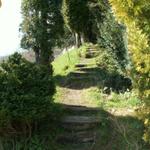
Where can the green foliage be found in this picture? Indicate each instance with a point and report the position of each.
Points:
(43, 136)
(65, 63)
(131, 13)
(129, 99)
(42, 26)
(95, 22)
(67, 40)
(122, 127)
(111, 73)
(106, 60)
(76, 14)
(26, 90)
(110, 34)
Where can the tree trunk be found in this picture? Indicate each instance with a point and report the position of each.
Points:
(78, 40)
(83, 39)
(44, 58)
(37, 55)
(51, 58)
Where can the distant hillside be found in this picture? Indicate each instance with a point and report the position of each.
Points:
(29, 55)
(3, 58)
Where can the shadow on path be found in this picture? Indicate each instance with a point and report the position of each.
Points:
(88, 77)
(113, 133)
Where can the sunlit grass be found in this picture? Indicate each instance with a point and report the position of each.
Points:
(65, 63)
(128, 99)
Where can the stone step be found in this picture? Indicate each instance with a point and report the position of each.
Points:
(79, 83)
(91, 48)
(81, 119)
(92, 51)
(80, 65)
(91, 55)
(79, 78)
(78, 137)
(76, 108)
(88, 69)
(81, 74)
(78, 127)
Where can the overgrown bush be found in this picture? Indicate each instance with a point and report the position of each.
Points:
(76, 15)
(131, 13)
(109, 33)
(26, 91)
(112, 73)
(106, 60)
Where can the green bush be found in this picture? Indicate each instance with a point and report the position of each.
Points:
(130, 13)
(106, 60)
(26, 90)
(112, 73)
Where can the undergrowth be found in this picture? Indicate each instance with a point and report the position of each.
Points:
(129, 99)
(115, 131)
(113, 134)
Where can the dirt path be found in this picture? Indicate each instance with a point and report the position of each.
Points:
(74, 90)
(115, 123)
(75, 97)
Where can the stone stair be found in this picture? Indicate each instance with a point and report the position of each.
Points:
(78, 137)
(79, 73)
(81, 120)
(81, 77)
(80, 65)
(91, 52)
(79, 128)
(81, 123)
(80, 108)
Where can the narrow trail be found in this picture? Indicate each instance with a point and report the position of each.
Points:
(74, 97)
(79, 80)
(83, 120)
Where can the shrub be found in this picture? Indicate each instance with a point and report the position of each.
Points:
(130, 13)
(109, 32)
(112, 73)
(106, 61)
(26, 90)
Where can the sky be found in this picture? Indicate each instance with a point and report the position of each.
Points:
(10, 19)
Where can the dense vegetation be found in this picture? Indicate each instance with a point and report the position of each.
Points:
(110, 34)
(122, 125)
(120, 43)
(26, 92)
(41, 27)
(76, 16)
(131, 13)
(93, 21)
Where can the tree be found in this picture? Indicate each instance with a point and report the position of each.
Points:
(41, 27)
(108, 32)
(93, 21)
(76, 16)
(135, 14)
(26, 95)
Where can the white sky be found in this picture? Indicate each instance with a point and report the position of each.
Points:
(10, 18)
